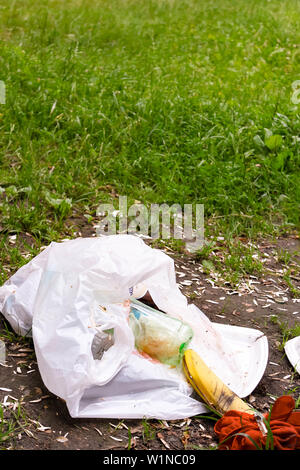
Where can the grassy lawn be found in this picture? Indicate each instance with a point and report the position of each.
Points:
(163, 101)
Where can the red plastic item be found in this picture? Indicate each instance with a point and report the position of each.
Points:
(284, 423)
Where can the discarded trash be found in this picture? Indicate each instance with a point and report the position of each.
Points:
(278, 430)
(251, 353)
(2, 352)
(209, 387)
(73, 299)
(158, 335)
(292, 349)
(102, 341)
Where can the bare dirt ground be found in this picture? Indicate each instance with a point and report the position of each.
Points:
(261, 303)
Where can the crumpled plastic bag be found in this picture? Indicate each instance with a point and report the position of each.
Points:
(75, 289)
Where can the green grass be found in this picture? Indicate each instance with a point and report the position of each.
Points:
(232, 260)
(294, 290)
(166, 101)
(8, 335)
(287, 331)
(148, 432)
(12, 422)
(162, 101)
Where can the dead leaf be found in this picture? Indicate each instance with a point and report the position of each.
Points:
(29, 433)
(116, 439)
(98, 431)
(161, 438)
(43, 428)
(17, 355)
(137, 428)
(62, 439)
(185, 438)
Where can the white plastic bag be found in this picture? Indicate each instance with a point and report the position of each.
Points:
(75, 289)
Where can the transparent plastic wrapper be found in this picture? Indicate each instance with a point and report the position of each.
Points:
(158, 335)
(73, 295)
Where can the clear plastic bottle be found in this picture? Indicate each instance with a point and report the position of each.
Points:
(158, 335)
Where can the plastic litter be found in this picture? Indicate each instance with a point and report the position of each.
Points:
(103, 340)
(158, 335)
(73, 299)
(292, 349)
(239, 430)
(2, 352)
